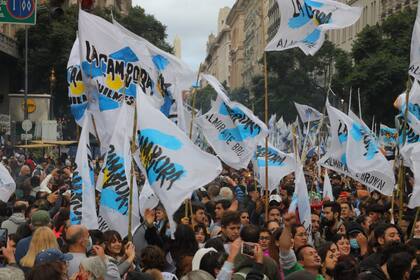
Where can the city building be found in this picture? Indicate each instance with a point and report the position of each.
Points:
(236, 20)
(177, 46)
(374, 11)
(121, 6)
(217, 62)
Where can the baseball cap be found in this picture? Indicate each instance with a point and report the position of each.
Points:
(275, 198)
(52, 254)
(40, 218)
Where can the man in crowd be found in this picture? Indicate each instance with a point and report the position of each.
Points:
(331, 220)
(17, 219)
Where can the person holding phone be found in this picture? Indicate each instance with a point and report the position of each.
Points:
(251, 258)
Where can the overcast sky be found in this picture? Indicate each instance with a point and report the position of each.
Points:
(191, 20)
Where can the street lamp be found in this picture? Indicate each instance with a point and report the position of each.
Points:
(52, 79)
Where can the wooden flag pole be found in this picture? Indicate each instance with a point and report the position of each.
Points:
(265, 109)
(130, 202)
(401, 173)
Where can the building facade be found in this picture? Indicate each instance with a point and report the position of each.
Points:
(217, 62)
(374, 11)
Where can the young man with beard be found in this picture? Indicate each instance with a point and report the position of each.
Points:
(331, 220)
(384, 234)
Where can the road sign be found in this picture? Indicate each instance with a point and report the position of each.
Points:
(26, 125)
(18, 11)
(26, 137)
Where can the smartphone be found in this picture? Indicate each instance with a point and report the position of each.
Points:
(3, 237)
(248, 249)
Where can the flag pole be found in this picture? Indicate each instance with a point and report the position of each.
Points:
(401, 173)
(265, 109)
(133, 150)
(360, 104)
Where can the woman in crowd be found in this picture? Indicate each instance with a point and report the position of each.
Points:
(329, 254)
(201, 234)
(343, 244)
(43, 238)
(264, 241)
(121, 255)
(50, 270)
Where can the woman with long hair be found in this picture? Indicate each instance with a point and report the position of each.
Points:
(43, 238)
(183, 248)
(121, 255)
(328, 252)
(343, 244)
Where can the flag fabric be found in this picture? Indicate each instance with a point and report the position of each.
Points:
(112, 68)
(377, 175)
(302, 200)
(83, 199)
(388, 137)
(413, 113)
(76, 89)
(7, 184)
(147, 198)
(279, 165)
(173, 165)
(414, 68)
(231, 129)
(327, 191)
(115, 186)
(303, 23)
(174, 76)
(411, 155)
(307, 113)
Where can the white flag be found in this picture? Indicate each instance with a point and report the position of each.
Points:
(174, 166)
(411, 154)
(7, 184)
(231, 129)
(76, 88)
(377, 177)
(174, 76)
(115, 187)
(303, 23)
(388, 137)
(327, 191)
(414, 68)
(413, 114)
(307, 113)
(83, 199)
(279, 165)
(112, 68)
(303, 204)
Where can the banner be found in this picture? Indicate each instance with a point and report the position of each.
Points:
(83, 199)
(327, 191)
(413, 114)
(307, 113)
(76, 89)
(174, 77)
(303, 23)
(173, 165)
(115, 186)
(414, 68)
(279, 165)
(231, 129)
(377, 177)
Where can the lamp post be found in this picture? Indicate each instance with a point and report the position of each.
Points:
(52, 79)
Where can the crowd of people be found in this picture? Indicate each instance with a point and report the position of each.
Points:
(223, 232)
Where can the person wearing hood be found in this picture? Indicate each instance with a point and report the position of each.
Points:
(17, 218)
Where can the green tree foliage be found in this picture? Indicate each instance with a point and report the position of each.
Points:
(50, 42)
(293, 76)
(381, 56)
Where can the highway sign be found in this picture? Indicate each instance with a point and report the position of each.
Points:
(18, 11)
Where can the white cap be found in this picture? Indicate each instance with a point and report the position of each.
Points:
(199, 255)
(275, 197)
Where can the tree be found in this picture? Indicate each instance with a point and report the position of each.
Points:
(50, 42)
(293, 76)
(381, 56)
